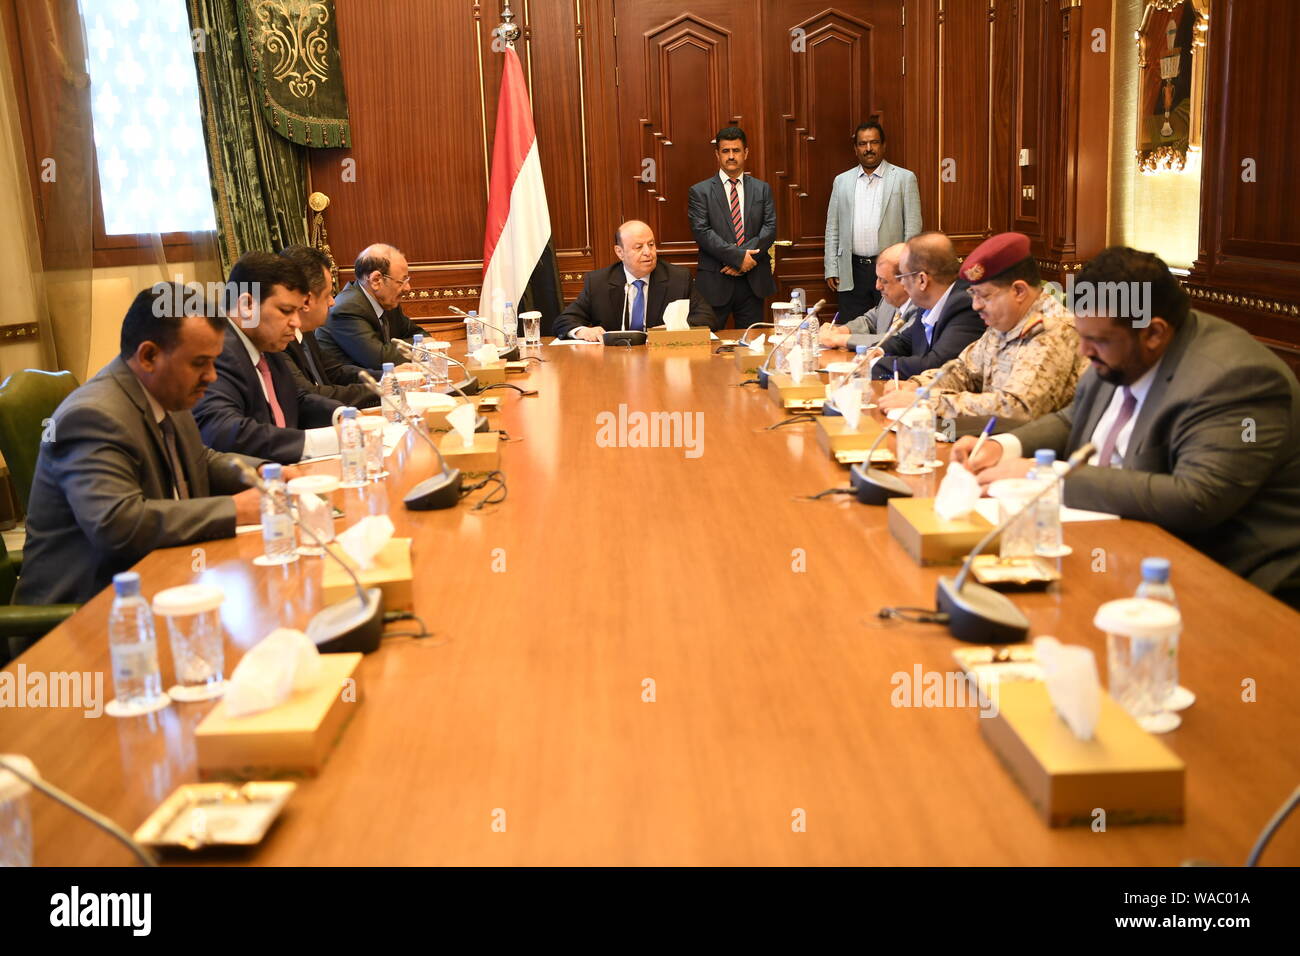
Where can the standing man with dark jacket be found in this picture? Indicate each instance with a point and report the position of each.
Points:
(311, 369)
(733, 219)
(367, 314)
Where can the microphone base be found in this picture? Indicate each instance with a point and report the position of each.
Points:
(482, 424)
(625, 337)
(872, 486)
(349, 626)
(978, 614)
(434, 493)
(762, 379)
(469, 386)
(511, 356)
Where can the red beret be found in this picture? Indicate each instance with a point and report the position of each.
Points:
(995, 255)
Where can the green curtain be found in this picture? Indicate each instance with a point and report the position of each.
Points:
(259, 179)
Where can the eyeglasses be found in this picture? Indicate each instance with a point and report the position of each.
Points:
(406, 281)
(904, 275)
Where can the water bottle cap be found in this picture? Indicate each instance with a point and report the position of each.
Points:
(1045, 456)
(472, 314)
(1155, 569)
(272, 471)
(349, 412)
(923, 391)
(388, 367)
(417, 338)
(127, 583)
(862, 349)
(13, 787)
(510, 305)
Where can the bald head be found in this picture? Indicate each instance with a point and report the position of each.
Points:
(928, 267)
(382, 269)
(634, 244)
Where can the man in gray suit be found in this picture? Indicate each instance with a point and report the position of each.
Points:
(871, 328)
(1197, 425)
(873, 206)
(124, 471)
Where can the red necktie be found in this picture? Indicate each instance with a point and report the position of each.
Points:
(737, 220)
(264, 370)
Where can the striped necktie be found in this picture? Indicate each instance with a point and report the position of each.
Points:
(737, 219)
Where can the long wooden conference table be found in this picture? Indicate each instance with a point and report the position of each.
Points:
(752, 613)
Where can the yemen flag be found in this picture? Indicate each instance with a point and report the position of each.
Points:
(518, 224)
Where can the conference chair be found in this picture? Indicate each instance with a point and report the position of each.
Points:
(20, 626)
(27, 399)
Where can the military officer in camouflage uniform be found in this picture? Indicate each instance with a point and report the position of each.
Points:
(1026, 363)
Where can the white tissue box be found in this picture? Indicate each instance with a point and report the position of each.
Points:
(436, 418)
(663, 337)
(1123, 770)
(291, 739)
(390, 572)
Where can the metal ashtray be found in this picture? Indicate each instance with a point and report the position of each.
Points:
(199, 815)
(1013, 572)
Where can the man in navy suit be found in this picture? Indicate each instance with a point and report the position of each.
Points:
(946, 323)
(733, 219)
(255, 407)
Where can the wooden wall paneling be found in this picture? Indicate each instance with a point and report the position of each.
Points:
(846, 66)
(1030, 19)
(965, 32)
(921, 101)
(1248, 267)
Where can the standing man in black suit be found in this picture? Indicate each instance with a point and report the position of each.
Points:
(367, 316)
(632, 293)
(311, 369)
(255, 407)
(947, 321)
(734, 222)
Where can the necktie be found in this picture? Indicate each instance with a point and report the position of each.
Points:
(638, 306)
(264, 370)
(174, 458)
(1125, 413)
(929, 329)
(737, 218)
(311, 363)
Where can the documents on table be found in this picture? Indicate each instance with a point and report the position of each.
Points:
(988, 509)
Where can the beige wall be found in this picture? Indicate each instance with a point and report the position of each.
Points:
(1156, 213)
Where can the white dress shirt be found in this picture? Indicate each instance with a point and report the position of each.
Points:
(868, 201)
(1011, 447)
(319, 441)
(930, 318)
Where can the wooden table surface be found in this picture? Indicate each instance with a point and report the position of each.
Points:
(753, 613)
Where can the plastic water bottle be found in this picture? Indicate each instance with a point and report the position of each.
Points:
(916, 436)
(473, 332)
(391, 388)
(279, 542)
(352, 449)
(510, 323)
(807, 339)
(1155, 585)
(1047, 513)
(137, 682)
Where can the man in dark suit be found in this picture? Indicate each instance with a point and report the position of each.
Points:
(311, 369)
(947, 322)
(124, 471)
(733, 219)
(1196, 424)
(632, 293)
(255, 407)
(366, 316)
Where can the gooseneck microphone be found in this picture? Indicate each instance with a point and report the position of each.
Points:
(472, 387)
(351, 625)
(977, 613)
(743, 339)
(510, 354)
(873, 486)
(437, 491)
(763, 373)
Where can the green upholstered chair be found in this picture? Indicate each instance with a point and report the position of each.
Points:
(21, 625)
(27, 399)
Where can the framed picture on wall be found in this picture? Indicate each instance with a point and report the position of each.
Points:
(1171, 82)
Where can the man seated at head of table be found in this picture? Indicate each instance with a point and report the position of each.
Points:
(632, 293)
(310, 368)
(367, 315)
(1025, 364)
(124, 470)
(1196, 424)
(255, 407)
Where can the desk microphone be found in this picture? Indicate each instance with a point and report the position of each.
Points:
(509, 355)
(410, 351)
(351, 625)
(743, 340)
(624, 335)
(874, 486)
(977, 613)
(763, 373)
(437, 491)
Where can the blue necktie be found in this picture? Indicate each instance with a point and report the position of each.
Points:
(638, 307)
(929, 329)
